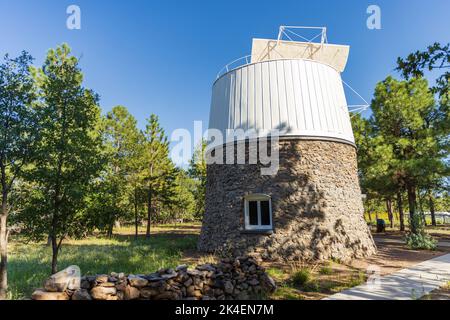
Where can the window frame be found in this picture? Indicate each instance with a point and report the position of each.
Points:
(257, 198)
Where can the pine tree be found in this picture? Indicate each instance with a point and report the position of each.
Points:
(121, 139)
(400, 110)
(159, 172)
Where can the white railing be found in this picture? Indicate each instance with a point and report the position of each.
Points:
(242, 61)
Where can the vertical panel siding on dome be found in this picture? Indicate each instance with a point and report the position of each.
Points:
(305, 97)
(290, 95)
(213, 115)
(224, 112)
(237, 100)
(341, 104)
(231, 101)
(331, 100)
(273, 92)
(326, 106)
(259, 121)
(244, 99)
(281, 84)
(251, 97)
(267, 108)
(314, 98)
(332, 79)
(299, 109)
(320, 101)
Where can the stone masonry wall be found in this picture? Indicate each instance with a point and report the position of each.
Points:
(241, 278)
(316, 203)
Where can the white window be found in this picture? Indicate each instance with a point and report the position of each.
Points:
(258, 212)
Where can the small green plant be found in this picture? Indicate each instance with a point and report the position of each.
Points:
(301, 276)
(357, 280)
(326, 270)
(311, 286)
(275, 272)
(420, 241)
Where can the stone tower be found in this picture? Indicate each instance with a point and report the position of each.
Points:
(311, 207)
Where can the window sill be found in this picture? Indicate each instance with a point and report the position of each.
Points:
(260, 231)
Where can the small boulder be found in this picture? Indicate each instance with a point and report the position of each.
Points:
(103, 293)
(81, 294)
(67, 279)
(42, 295)
(137, 281)
(131, 293)
(101, 278)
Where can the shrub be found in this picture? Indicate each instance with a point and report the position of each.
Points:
(301, 277)
(357, 280)
(420, 241)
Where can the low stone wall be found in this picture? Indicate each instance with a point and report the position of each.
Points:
(241, 278)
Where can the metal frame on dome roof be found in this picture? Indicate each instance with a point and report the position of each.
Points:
(285, 29)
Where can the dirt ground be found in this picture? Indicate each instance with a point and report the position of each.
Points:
(393, 255)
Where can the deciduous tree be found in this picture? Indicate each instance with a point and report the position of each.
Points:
(18, 136)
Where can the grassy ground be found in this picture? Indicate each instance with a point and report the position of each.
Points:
(170, 245)
(29, 263)
(312, 282)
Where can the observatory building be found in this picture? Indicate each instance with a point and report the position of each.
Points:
(311, 207)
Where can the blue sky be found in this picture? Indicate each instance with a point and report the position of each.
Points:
(162, 56)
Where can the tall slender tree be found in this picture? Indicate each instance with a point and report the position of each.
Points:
(159, 171)
(69, 152)
(18, 136)
(121, 139)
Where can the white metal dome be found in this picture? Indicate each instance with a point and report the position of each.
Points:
(301, 97)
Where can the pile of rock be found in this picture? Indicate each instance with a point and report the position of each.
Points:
(241, 278)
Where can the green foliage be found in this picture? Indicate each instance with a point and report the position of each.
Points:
(112, 194)
(401, 147)
(197, 171)
(420, 240)
(357, 280)
(301, 277)
(19, 129)
(435, 57)
(19, 133)
(326, 270)
(68, 154)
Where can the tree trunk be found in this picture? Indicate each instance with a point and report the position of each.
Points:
(4, 238)
(110, 229)
(389, 211)
(3, 253)
(400, 211)
(54, 255)
(422, 213)
(136, 227)
(411, 189)
(370, 215)
(149, 212)
(432, 212)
